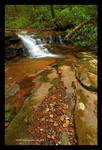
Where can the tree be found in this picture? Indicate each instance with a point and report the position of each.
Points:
(54, 17)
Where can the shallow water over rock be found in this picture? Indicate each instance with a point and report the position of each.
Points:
(31, 81)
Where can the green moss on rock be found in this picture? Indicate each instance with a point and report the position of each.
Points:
(55, 81)
(50, 88)
(15, 130)
(82, 96)
(86, 134)
(10, 112)
(19, 125)
(10, 99)
(43, 75)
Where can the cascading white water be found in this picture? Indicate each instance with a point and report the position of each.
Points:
(60, 40)
(35, 47)
(50, 39)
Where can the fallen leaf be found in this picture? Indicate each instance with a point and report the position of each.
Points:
(65, 106)
(50, 104)
(50, 120)
(67, 121)
(66, 124)
(51, 116)
(62, 118)
(48, 136)
(53, 97)
(6, 124)
(52, 137)
(55, 124)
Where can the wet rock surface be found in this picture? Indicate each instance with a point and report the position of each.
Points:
(52, 101)
(13, 46)
(86, 70)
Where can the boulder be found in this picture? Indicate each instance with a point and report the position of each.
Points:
(87, 79)
(85, 118)
(11, 90)
(13, 46)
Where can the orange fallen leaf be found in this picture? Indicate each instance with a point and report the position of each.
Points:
(65, 106)
(50, 120)
(51, 115)
(50, 104)
(6, 124)
(62, 118)
(66, 124)
(55, 124)
(67, 121)
(48, 136)
(53, 97)
(52, 137)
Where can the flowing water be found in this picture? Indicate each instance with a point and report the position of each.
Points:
(34, 47)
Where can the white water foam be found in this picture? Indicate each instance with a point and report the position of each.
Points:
(35, 47)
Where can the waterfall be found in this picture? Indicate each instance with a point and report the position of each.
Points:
(60, 40)
(50, 39)
(35, 47)
(43, 40)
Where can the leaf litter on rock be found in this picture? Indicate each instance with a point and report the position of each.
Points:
(54, 119)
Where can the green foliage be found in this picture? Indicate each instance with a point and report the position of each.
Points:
(22, 16)
(85, 36)
(66, 17)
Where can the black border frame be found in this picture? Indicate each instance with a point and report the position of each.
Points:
(2, 30)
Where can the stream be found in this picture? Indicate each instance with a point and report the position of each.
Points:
(51, 94)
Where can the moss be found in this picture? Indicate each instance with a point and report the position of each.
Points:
(55, 81)
(44, 74)
(82, 98)
(15, 129)
(79, 55)
(50, 89)
(10, 112)
(93, 82)
(87, 66)
(10, 99)
(85, 134)
(18, 126)
(9, 108)
(92, 69)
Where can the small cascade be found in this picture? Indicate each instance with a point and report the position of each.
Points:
(60, 39)
(50, 39)
(34, 47)
(43, 41)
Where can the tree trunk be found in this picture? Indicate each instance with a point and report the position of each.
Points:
(75, 29)
(52, 11)
(16, 9)
(53, 15)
